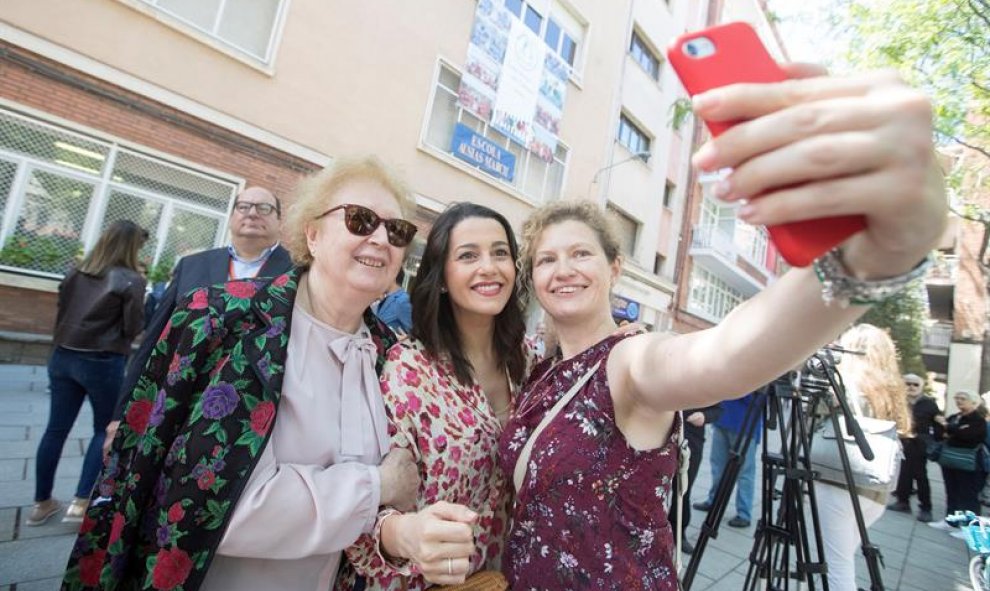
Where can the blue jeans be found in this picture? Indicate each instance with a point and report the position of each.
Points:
(74, 376)
(722, 442)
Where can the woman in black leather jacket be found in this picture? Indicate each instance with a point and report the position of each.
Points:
(100, 311)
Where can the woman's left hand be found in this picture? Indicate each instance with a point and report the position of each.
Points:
(818, 146)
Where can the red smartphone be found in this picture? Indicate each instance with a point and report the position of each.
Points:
(732, 53)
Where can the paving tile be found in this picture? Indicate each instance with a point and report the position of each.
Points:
(13, 469)
(34, 560)
(917, 556)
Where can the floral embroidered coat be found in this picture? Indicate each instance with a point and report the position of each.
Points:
(193, 430)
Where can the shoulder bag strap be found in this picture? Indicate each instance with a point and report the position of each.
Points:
(522, 464)
(683, 461)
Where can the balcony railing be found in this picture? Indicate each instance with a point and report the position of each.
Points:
(714, 239)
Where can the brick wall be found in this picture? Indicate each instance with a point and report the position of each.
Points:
(47, 86)
(27, 310)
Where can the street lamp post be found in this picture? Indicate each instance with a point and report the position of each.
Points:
(644, 156)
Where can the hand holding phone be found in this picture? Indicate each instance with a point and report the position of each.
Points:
(729, 54)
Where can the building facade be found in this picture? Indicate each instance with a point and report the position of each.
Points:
(723, 261)
(954, 341)
(162, 110)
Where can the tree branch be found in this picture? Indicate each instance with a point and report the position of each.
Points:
(981, 258)
(984, 245)
(983, 151)
(976, 10)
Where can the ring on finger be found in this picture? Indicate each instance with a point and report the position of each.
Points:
(450, 565)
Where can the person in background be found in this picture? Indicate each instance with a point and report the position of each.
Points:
(726, 432)
(100, 312)
(395, 309)
(254, 251)
(873, 383)
(249, 453)
(592, 486)
(447, 393)
(966, 429)
(914, 466)
(695, 420)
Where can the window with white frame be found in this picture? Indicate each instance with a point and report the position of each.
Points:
(632, 137)
(248, 26)
(628, 229)
(710, 297)
(643, 55)
(59, 189)
(752, 243)
(559, 28)
(540, 180)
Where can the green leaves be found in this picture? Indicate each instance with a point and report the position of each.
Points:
(941, 45)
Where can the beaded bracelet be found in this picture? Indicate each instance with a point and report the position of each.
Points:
(840, 287)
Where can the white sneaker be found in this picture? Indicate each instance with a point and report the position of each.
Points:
(942, 525)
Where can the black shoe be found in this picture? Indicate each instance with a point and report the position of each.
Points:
(738, 522)
(687, 547)
(924, 516)
(900, 507)
(702, 506)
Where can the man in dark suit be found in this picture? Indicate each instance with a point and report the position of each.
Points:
(254, 251)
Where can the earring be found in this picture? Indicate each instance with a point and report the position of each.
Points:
(443, 289)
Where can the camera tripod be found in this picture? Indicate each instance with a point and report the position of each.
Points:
(785, 538)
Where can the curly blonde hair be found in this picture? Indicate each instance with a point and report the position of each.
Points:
(586, 212)
(315, 194)
(875, 374)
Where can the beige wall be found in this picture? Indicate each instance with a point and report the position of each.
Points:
(352, 77)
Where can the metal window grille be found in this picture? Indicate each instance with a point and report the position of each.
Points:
(60, 189)
(535, 178)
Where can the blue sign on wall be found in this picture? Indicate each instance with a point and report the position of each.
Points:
(624, 308)
(480, 151)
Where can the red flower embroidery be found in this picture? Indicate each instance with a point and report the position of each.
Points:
(176, 513)
(90, 567)
(117, 527)
(199, 301)
(171, 569)
(261, 417)
(281, 281)
(87, 524)
(240, 289)
(138, 414)
(206, 480)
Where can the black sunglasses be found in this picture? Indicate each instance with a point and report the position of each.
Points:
(361, 221)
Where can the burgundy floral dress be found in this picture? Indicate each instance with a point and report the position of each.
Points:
(592, 511)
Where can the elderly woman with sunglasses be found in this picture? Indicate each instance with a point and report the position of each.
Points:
(248, 456)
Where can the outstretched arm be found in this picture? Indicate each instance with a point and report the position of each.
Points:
(808, 149)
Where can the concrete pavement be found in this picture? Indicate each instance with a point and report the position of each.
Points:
(918, 557)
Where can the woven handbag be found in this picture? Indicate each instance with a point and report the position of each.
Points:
(485, 580)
